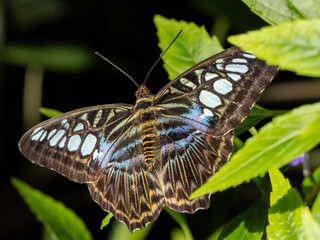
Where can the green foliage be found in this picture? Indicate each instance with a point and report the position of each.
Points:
(181, 221)
(120, 231)
(49, 112)
(248, 225)
(309, 183)
(193, 45)
(227, 13)
(288, 217)
(279, 11)
(106, 221)
(257, 114)
(60, 221)
(292, 45)
(276, 144)
(316, 208)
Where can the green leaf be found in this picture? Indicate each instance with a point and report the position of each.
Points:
(276, 144)
(120, 231)
(54, 215)
(248, 225)
(106, 221)
(193, 45)
(316, 208)
(256, 115)
(181, 221)
(177, 234)
(279, 11)
(57, 58)
(226, 14)
(215, 235)
(309, 183)
(293, 45)
(49, 112)
(288, 217)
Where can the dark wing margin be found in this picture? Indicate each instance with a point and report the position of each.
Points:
(75, 144)
(127, 188)
(221, 89)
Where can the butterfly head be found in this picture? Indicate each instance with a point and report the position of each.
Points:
(143, 92)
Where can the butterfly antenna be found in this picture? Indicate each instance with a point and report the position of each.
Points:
(106, 59)
(161, 56)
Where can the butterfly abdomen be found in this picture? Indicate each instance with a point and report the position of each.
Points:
(148, 123)
(149, 142)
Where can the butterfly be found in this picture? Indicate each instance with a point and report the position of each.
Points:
(137, 158)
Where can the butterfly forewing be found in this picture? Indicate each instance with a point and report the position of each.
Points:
(76, 144)
(218, 93)
(137, 158)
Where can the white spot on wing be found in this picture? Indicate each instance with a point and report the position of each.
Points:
(234, 77)
(88, 144)
(210, 76)
(188, 83)
(79, 127)
(36, 136)
(209, 99)
(97, 118)
(237, 68)
(53, 131)
(36, 130)
(55, 139)
(248, 55)
(66, 126)
(222, 86)
(85, 118)
(207, 112)
(74, 143)
(239, 60)
(220, 66)
(62, 142)
(95, 154)
(220, 60)
(43, 136)
(198, 74)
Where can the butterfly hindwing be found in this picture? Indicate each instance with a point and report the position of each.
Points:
(75, 144)
(188, 158)
(128, 188)
(218, 93)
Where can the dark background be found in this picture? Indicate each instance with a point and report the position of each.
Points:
(124, 32)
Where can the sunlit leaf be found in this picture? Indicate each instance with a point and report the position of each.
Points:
(106, 221)
(278, 11)
(49, 112)
(294, 46)
(288, 217)
(193, 45)
(54, 215)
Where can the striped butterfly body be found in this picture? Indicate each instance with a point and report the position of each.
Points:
(137, 158)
